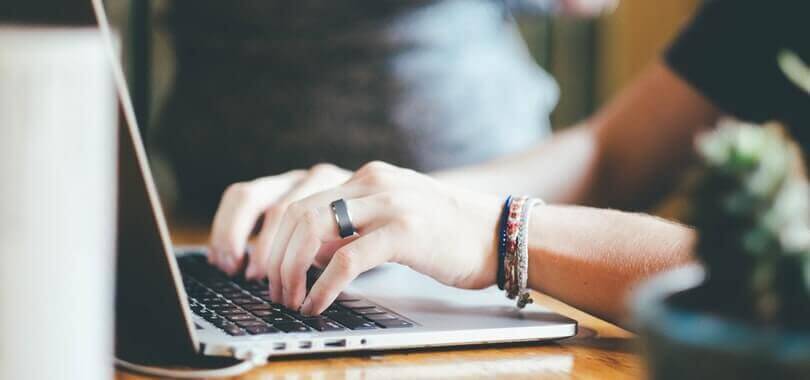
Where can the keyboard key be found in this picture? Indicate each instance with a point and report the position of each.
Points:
(394, 323)
(294, 314)
(206, 313)
(291, 327)
(202, 293)
(322, 324)
(353, 322)
(234, 330)
(357, 304)
(262, 313)
(365, 326)
(255, 287)
(334, 309)
(221, 322)
(278, 318)
(245, 301)
(381, 317)
(251, 323)
(231, 311)
(258, 330)
(258, 306)
(373, 310)
(241, 317)
(225, 287)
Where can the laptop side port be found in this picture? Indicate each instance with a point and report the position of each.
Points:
(279, 346)
(305, 345)
(335, 343)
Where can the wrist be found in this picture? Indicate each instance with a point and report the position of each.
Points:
(489, 214)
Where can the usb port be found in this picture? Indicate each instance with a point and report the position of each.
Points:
(279, 346)
(335, 343)
(305, 345)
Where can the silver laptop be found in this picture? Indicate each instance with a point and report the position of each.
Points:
(173, 308)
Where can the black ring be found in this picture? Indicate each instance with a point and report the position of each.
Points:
(344, 221)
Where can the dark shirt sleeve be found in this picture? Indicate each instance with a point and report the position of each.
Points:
(728, 52)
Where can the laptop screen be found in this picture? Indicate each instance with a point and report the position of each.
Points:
(152, 318)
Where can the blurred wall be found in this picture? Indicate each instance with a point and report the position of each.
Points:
(632, 36)
(591, 59)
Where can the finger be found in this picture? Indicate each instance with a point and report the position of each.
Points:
(257, 267)
(307, 186)
(347, 263)
(304, 244)
(241, 205)
(314, 232)
(231, 226)
(299, 210)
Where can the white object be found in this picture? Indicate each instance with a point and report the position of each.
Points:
(57, 204)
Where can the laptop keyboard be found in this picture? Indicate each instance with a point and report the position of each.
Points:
(239, 307)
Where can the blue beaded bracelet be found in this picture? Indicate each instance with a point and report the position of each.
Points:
(501, 276)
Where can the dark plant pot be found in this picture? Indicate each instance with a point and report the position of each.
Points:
(686, 343)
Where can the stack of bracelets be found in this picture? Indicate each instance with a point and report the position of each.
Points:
(513, 248)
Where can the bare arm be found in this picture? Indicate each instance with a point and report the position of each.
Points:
(587, 257)
(592, 258)
(635, 146)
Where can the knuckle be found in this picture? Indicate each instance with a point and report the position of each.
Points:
(296, 209)
(240, 191)
(377, 178)
(322, 169)
(310, 218)
(374, 166)
(275, 210)
(389, 200)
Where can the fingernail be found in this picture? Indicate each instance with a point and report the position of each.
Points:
(306, 308)
(249, 272)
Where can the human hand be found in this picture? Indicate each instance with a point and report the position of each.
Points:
(244, 204)
(401, 216)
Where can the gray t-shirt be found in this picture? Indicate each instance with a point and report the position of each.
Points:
(267, 86)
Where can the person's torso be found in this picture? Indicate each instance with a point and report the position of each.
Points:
(267, 86)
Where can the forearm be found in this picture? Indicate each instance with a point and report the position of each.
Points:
(559, 170)
(625, 156)
(592, 258)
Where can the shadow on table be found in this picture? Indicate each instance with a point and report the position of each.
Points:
(589, 338)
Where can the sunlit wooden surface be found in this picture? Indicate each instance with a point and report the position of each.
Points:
(600, 351)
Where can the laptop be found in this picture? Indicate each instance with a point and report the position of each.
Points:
(173, 308)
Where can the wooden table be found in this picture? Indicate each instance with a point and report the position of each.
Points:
(599, 351)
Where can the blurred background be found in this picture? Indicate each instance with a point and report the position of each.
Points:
(230, 91)
(590, 58)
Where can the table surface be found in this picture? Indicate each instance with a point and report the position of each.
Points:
(599, 351)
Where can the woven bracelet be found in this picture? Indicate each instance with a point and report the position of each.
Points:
(502, 242)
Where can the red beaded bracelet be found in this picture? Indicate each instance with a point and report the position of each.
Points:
(516, 260)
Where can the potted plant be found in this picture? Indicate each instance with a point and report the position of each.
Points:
(745, 313)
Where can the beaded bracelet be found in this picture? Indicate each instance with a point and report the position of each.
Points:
(512, 229)
(516, 259)
(502, 242)
(522, 266)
